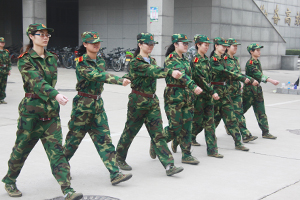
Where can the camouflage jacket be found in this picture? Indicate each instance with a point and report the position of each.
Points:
(233, 65)
(91, 77)
(173, 61)
(5, 64)
(254, 70)
(143, 75)
(202, 74)
(221, 74)
(39, 77)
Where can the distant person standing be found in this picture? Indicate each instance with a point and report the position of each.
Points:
(253, 95)
(5, 69)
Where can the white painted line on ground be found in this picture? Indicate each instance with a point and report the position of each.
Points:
(287, 102)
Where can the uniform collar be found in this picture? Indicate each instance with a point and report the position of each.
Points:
(217, 56)
(33, 54)
(254, 61)
(201, 58)
(175, 55)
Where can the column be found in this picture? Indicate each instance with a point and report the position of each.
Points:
(163, 28)
(34, 11)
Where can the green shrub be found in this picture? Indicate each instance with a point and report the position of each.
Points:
(293, 52)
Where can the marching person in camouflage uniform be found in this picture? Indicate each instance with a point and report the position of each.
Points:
(5, 69)
(253, 95)
(88, 114)
(224, 107)
(203, 104)
(39, 114)
(143, 106)
(235, 89)
(179, 98)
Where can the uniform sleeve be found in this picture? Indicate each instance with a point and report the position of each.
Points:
(147, 70)
(219, 69)
(201, 78)
(92, 74)
(9, 62)
(32, 79)
(185, 79)
(255, 73)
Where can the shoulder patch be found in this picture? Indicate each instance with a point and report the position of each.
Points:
(225, 57)
(153, 58)
(138, 58)
(215, 59)
(7, 50)
(251, 62)
(80, 59)
(53, 53)
(196, 60)
(22, 54)
(171, 55)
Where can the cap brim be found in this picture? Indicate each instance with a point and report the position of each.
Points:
(226, 45)
(208, 42)
(50, 30)
(94, 41)
(152, 42)
(185, 41)
(236, 44)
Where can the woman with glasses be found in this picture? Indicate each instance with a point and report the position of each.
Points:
(88, 114)
(179, 98)
(39, 113)
(143, 106)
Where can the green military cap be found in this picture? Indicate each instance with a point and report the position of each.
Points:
(201, 38)
(232, 41)
(253, 46)
(147, 38)
(221, 41)
(2, 39)
(90, 37)
(179, 38)
(36, 27)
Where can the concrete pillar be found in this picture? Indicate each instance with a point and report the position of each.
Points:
(34, 11)
(163, 28)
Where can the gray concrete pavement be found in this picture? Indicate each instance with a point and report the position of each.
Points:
(270, 170)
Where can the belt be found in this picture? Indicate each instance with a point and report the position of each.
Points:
(218, 83)
(30, 95)
(143, 94)
(45, 119)
(172, 85)
(97, 97)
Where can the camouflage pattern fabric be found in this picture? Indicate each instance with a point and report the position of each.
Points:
(5, 67)
(36, 27)
(39, 76)
(253, 46)
(147, 38)
(179, 38)
(234, 90)
(179, 103)
(203, 104)
(2, 39)
(88, 114)
(144, 110)
(90, 37)
(253, 95)
(224, 107)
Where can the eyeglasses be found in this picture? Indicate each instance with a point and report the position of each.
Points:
(43, 35)
(185, 43)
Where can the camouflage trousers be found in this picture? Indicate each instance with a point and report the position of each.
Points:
(224, 109)
(97, 127)
(204, 118)
(30, 130)
(150, 115)
(180, 117)
(3, 83)
(257, 101)
(237, 102)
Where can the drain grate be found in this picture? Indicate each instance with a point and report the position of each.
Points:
(296, 131)
(66, 90)
(89, 197)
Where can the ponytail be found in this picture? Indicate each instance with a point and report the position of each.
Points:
(137, 51)
(170, 49)
(81, 50)
(28, 46)
(213, 51)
